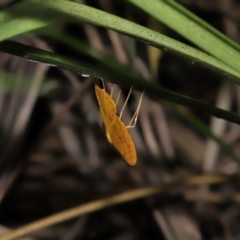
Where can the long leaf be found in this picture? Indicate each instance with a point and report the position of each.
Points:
(192, 28)
(35, 14)
(123, 79)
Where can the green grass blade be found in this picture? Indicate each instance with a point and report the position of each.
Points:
(123, 79)
(31, 15)
(204, 24)
(197, 31)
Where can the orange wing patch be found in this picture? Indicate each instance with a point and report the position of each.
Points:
(107, 105)
(122, 141)
(115, 130)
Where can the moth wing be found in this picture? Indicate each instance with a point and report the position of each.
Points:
(122, 141)
(107, 105)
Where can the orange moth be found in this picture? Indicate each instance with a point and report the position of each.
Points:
(115, 130)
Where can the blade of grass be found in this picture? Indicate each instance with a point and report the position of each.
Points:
(35, 14)
(192, 28)
(34, 54)
(204, 24)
